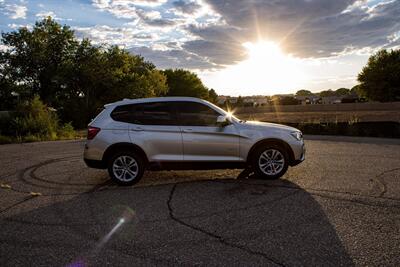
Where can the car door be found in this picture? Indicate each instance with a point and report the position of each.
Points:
(153, 128)
(203, 139)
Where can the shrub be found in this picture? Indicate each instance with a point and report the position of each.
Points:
(5, 139)
(31, 138)
(35, 119)
(66, 131)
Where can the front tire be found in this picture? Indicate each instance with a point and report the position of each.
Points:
(270, 161)
(126, 168)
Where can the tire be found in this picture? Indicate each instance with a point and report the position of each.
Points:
(126, 168)
(270, 161)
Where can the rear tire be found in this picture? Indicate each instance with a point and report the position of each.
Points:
(126, 168)
(270, 161)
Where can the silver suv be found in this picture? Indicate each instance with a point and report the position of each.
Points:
(130, 136)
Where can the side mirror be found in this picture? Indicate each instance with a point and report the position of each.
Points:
(222, 121)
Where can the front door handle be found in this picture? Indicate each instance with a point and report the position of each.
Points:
(137, 129)
(187, 130)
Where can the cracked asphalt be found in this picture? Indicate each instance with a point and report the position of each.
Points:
(341, 207)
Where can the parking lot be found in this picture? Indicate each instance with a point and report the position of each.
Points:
(339, 207)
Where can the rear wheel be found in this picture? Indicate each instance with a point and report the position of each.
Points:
(126, 168)
(270, 161)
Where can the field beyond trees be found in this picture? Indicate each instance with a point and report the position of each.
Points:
(356, 119)
(352, 112)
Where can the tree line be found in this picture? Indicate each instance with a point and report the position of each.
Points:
(77, 78)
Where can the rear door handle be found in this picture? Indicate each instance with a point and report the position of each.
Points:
(187, 130)
(137, 129)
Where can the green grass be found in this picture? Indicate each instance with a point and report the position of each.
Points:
(35, 138)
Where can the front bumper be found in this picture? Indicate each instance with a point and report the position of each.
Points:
(302, 157)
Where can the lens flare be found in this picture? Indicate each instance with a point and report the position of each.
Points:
(127, 215)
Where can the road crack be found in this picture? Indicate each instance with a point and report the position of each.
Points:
(380, 180)
(221, 239)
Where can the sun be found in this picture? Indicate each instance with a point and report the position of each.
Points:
(269, 67)
(267, 70)
(263, 50)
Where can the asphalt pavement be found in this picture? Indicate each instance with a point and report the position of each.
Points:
(341, 207)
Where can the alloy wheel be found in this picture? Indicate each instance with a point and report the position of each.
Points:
(125, 168)
(271, 162)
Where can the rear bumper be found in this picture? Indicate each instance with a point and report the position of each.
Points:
(96, 164)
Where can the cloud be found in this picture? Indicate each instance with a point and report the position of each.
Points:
(154, 18)
(4, 48)
(186, 7)
(45, 14)
(14, 11)
(163, 54)
(212, 31)
(173, 58)
(356, 29)
(121, 9)
(17, 26)
(317, 28)
(135, 10)
(149, 3)
(121, 36)
(219, 53)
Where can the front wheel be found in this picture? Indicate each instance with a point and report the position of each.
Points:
(126, 168)
(270, 162)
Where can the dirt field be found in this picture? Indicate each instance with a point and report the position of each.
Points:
(324, 116)
(350, 112)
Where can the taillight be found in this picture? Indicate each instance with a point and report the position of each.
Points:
(92, 132)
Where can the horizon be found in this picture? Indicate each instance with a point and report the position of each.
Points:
(238, 47)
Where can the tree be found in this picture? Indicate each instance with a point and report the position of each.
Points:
(342, 92)
(36, 57)
(8, 95)
(75, 77)
(380, 78)
(212, 96)
(185, 83)
(239, 102)
(96, 77)
(303, 93)
(288, 100)
(326, 93)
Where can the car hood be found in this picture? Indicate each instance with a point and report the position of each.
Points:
(268, 125)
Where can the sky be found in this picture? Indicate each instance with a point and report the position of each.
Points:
(237, 47)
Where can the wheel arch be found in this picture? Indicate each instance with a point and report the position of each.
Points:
(275, 141)
(111, 150)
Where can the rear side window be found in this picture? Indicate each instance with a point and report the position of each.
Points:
(125, 113)
(157, 113)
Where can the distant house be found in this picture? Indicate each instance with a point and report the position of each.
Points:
(351, 98)
(331, 99)
(221, 100)
(255, 101)
(233, 100)
(284, 99)
(309, 99)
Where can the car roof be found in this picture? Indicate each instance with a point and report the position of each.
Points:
(127, 101)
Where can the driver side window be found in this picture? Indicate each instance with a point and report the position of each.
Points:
(196, 114)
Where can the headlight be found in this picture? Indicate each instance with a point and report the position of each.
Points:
(297, 135)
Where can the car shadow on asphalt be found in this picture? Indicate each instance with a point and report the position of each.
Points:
(243, 221)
